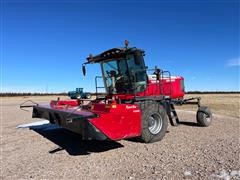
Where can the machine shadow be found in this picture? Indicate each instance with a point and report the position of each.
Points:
(188, 123)
(71, 142)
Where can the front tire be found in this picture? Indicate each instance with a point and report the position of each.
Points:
(154, 122)
(88, 96)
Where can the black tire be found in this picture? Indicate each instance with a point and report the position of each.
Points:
(88, 96)
(152, 113)
(204, 116)
(79, 96)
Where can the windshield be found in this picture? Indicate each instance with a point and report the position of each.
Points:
(116, 76)
(125, 75)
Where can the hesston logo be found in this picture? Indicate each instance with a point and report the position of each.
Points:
(131, 107)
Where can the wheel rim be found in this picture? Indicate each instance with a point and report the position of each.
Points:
(88, 96)
(207, 117)
(155, 123)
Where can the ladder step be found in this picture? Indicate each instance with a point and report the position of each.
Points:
(173, 116)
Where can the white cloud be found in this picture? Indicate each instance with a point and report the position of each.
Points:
(233, 62)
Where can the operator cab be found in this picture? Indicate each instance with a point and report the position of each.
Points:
(79, 90)
(125, 75)
(123, 70)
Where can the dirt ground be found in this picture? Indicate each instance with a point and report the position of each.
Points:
(186, 152)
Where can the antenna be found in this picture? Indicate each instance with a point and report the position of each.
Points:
(46, 89)
(126, 42)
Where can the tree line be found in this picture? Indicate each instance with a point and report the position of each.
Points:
(212, 92)
(9, 94)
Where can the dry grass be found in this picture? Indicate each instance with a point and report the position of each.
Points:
(226, 104)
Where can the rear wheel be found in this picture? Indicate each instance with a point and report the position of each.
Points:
(154, 122)
(204, 116)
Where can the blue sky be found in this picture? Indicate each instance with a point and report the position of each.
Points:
(44, 43)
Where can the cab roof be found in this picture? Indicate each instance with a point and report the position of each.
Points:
(116, 53)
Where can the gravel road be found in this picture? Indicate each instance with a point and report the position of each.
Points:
(50, 152)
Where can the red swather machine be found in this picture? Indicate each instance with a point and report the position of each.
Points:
(139, 101)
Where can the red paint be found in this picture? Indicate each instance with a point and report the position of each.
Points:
(54, 103)
(118, 121)
(170, 87)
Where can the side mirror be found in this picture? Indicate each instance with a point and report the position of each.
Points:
(83, 70)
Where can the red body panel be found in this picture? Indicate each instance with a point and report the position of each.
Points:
(171, 87)
(60, 103)
(117, 121)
